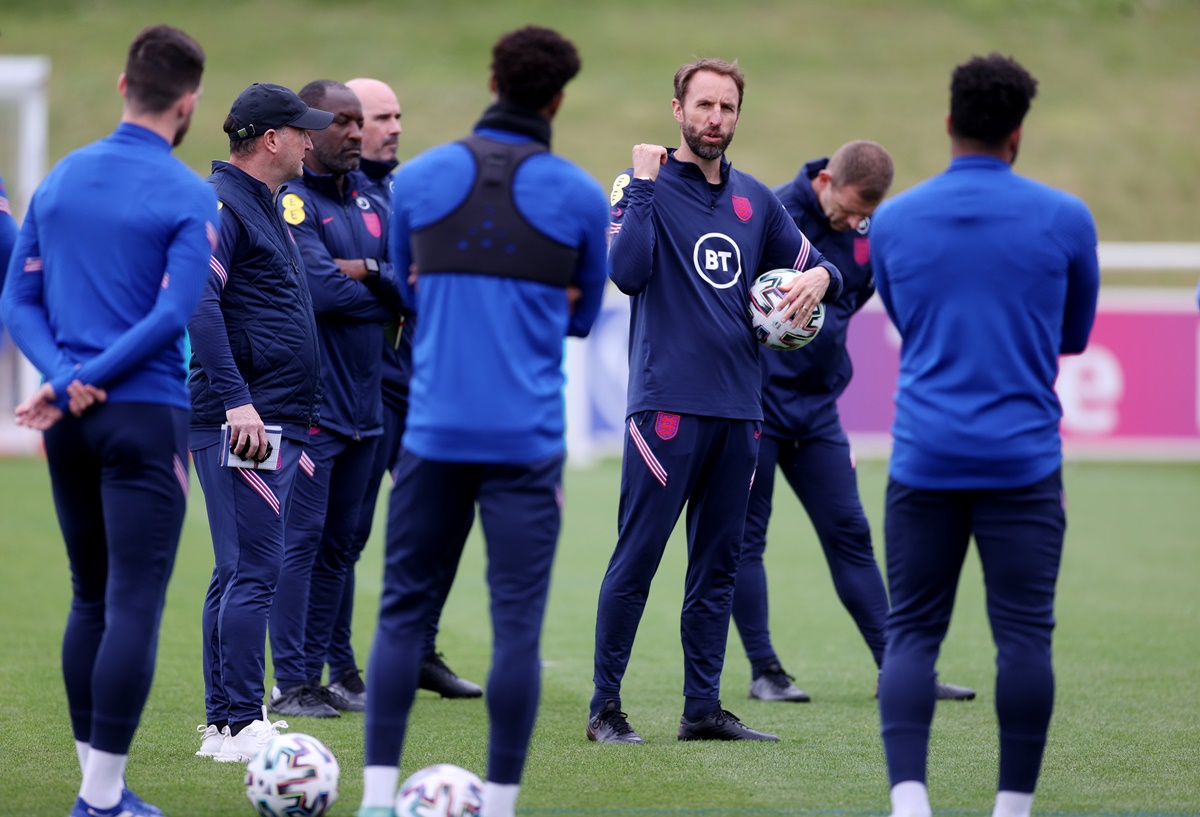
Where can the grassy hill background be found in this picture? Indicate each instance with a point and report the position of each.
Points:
(1117, 120)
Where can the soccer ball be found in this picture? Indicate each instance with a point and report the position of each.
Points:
(292, 776)
(444, 790)
(770, 329)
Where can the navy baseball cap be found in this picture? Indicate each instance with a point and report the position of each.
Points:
(264, 106)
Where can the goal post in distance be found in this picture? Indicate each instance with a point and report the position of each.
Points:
(24, 126)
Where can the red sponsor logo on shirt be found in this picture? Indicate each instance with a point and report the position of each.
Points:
(862, 250)
(666, 426)
(742, 208)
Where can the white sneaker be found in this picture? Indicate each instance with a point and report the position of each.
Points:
(242, 747)
(210, 740)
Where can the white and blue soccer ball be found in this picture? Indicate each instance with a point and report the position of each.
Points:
(292, 775)
(769, 327)
(444, 790)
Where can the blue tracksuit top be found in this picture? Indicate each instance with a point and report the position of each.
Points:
(487, 352)
(802, 385)
(989, 277)
(688, 251)
(397, 342)
(329, 224)
(8, 232)
(110, 262)
(254, 338)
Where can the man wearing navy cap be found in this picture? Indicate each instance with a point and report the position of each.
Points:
(255, 362)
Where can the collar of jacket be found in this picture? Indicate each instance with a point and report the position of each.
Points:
(692, 170)
(377, 171)
(518, 119)
(243, 180)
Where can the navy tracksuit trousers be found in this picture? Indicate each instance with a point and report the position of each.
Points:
(120, 482)
(247, 513)
(672, 460)
(1019, 533)
(820, 470)
(340, 655)
(430, 514)
(318, 553)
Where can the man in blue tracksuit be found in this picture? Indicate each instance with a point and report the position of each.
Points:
(988, 278)
(255, 362)
(380, 138)
(498, 220)
(8, 232)
(97, 297)
(340, 233)
(831, 201)
(689, 236)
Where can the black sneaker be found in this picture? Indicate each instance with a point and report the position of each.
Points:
(953, 692)
(776, 685)
(720, 724)
(610, 725)
(945, 691)
(439, 678)
(300, 701)
(348, 693)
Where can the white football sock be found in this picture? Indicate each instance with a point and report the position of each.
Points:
(379, 786)
(81, 751)
(499, 799)
(910, 799)
(1013, 804)
(103, 779)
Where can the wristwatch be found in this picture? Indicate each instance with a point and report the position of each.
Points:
(372, 265)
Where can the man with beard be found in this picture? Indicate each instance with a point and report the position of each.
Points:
(255, 362)
(689, 235)
(340, 232)
(97, 297)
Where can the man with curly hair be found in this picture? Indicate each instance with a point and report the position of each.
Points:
(988, 278)
(494, 219)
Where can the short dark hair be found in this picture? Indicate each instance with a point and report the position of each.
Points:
(532, 64)
(989, 97)
(313, 94)
(683, 77)
(238, 146)
(163, 64)
(865, 166)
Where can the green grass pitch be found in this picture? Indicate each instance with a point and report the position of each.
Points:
(1125, 739)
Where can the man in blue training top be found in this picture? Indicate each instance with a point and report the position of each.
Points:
(340, 232)
(988, 278)
(255, 362)
(97, 298)
(8, 232)
(831, 200)
(689, 236)
(525, 235)
(381, 133)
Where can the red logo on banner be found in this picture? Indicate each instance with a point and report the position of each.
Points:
(666, 426)
(742, 208)
(374, 227)
(862, 250)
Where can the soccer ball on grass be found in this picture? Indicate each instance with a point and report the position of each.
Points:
(769, 327)
(292, 776)
(444, 790)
